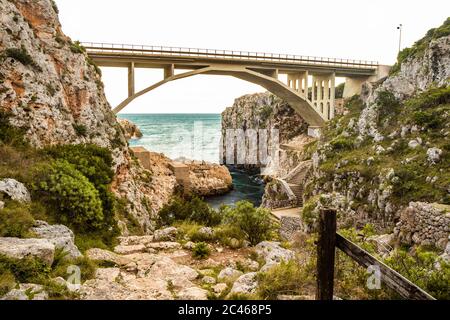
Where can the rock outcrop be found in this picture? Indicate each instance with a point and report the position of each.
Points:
(15, 190)
(61, 236)
(41, 249)
(131, 131)
(53, 91)
(208, 179)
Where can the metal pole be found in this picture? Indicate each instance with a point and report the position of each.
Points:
(400, 26)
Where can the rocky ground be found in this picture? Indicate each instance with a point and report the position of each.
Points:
(148, 267)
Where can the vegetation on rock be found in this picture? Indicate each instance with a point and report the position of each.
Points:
(419, 46)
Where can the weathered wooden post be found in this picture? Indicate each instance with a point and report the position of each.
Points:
(325, 254)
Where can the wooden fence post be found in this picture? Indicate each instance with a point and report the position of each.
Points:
(325, 254)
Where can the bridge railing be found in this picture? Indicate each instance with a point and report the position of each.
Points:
(95, 47)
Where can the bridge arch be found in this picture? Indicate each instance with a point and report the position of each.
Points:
(305, 96)
(295, 99)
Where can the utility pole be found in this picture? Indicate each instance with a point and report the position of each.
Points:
(400, 26)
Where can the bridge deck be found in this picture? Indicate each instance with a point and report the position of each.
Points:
(108, 54)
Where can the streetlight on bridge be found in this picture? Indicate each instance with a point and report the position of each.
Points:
(399, 27)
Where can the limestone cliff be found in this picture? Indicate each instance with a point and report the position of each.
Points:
(266, 111)
(51, 89)
(391, 151)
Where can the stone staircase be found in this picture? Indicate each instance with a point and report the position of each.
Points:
(296, 179)
(297, 190)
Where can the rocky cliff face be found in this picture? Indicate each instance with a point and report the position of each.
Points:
(392, 149)
(54, 92)
(266, 111)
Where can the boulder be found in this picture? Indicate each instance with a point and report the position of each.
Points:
(245, 284)
(219, 288)
(229, 274)
(15, 190)
(413, 144)
(2, 205)
(26, 291)
(188, 245)
(273, 253)
(206, 231)
(383, 242)
(208, 280)
(41, 249)
(58, 234)
(166, 234)
(434, 155)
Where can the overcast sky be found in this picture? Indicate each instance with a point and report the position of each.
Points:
(353, 29)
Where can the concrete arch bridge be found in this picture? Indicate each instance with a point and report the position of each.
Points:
(303, 72)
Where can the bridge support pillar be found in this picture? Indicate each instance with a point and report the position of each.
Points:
(323, 92)
(169, 71)
(353, 85)
(131, 89)
(299, 82)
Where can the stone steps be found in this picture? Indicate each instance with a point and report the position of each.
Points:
(298, 192)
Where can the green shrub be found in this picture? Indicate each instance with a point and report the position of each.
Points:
(419, 267)
(266, 112)
(192, 232)
(341, 144)
(97, 70)
(7, 282)
(80, 129)
(8, 133)
(95, 164)
(26, 270)
(92, 161)
(427, 119)
(431, 98)
(255, 223)
(87, 267)
(230, 235)
(69, 192)
(201, 250)
(20, 55)
(387, 103)
(286, 278)
(15, 220)
(76, 47)
(193, 210)
(339, 90)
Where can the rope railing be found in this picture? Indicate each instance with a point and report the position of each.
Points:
(144, 50)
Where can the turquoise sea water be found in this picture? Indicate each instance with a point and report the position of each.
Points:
(193, 136)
